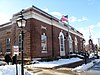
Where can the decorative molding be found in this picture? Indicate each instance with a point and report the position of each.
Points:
(43, 27)
(38, 16)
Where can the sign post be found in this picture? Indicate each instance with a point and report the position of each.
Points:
(16, 53)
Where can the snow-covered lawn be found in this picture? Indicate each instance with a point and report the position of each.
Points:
(11, 69)
(55, 63)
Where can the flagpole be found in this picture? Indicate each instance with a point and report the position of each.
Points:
(65, 18)
(68, 40)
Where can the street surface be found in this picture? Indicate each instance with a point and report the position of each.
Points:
(59, 71)
(95, 70)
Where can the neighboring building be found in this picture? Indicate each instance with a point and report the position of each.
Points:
(99, 42)
(44, 36)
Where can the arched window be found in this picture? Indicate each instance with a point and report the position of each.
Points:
(61, 41)
(44, 43)
(62, 44)
(8, 41)
(70, 44)
(76, 46)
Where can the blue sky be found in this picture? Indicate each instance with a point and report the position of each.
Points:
(83, 14)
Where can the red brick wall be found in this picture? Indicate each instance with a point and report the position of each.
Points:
(36, 38)
(32, 39)
(53, 46)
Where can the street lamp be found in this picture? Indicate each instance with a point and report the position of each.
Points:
(21, 22)
(83, 44)
(85, 54)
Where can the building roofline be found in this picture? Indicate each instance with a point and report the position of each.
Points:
(39, 11)
(2, 25)
(34, 8)
(5, 26)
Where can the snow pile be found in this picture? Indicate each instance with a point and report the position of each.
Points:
(91, 55)
(96, 60)
(55, 63)
(11, 70)
(85, 67)
(98, 53)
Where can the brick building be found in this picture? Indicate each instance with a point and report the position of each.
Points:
(44, 36)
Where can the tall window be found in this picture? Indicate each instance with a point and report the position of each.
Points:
(61, 41)
(76, 46)
(70, 44)
(8, 44)
(0, 47)
(20, 42)
(44, 43)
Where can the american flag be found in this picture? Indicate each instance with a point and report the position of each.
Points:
(64, 18)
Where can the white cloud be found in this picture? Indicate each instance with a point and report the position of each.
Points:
(92, 26)
(56, 14)
(98, 24)
(85, 32)
(46, 10)
(91, 2)
(82, 19)
(91, 31)
(75, 19)
(4, 18)
(72, 19)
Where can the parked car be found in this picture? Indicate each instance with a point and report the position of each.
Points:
(2, 63)
(34, 62)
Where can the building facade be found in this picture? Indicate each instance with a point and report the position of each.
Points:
(44, 36)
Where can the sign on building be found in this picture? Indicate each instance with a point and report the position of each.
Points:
(16, 50)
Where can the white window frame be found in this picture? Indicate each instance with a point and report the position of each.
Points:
(70, 44)
(62, 43)
(76, 46)
(43, 43)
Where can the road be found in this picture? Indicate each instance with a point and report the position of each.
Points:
(95, 70)
(59, 71)
(53, 72)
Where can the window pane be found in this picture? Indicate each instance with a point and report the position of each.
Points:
(61, 43)
(8, 44)
(43, 42)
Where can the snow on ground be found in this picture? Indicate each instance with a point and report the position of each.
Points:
(11, 70)
(85, 67)
(55, 63)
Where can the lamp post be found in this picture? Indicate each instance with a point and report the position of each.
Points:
(21, 22)
(83, 44)
(85, 54)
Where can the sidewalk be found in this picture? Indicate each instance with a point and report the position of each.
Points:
(73, 62)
